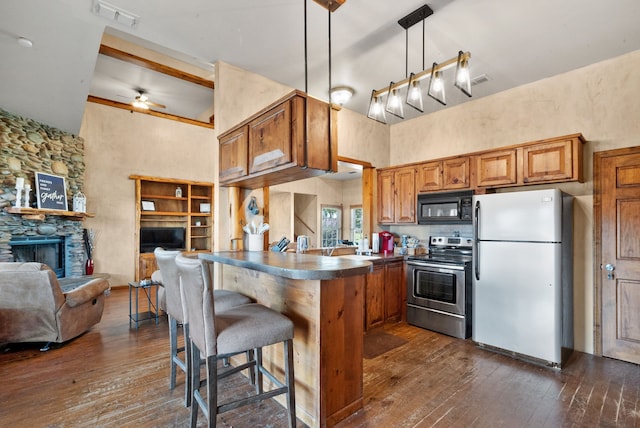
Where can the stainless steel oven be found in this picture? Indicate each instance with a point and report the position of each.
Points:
(439, 287)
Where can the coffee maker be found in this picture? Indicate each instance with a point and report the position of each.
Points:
(386, 242)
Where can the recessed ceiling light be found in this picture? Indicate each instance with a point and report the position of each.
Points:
(24, 42)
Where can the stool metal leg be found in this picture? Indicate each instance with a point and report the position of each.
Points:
(290, 379)
(173, 351)
(157, 304)
(137, 306)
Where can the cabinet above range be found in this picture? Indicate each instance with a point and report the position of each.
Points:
(288, 140)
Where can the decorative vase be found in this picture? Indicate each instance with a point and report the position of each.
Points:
(88, 267)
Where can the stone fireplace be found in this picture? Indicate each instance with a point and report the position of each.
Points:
(26, 147)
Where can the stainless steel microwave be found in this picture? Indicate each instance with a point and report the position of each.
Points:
(445, 208)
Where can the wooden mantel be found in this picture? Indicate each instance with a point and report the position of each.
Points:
(39, 214)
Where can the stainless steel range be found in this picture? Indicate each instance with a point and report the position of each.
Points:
(439, 287)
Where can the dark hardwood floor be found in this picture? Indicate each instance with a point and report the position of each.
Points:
(114, 377)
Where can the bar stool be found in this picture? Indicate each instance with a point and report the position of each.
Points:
(174, 307)
(219, 335)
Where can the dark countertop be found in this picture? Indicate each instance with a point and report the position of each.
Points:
(292, 265)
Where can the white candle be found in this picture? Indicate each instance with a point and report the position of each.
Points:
(19, 183)
(27, 187)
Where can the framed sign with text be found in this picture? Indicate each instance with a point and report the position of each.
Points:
(51, 192)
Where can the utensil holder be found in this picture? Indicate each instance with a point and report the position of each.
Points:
(255, 242)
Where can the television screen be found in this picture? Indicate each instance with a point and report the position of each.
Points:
(169, 238)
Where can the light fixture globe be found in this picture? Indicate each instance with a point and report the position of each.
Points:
(341, 95)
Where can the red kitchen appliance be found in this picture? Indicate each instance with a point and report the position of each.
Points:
(386, 242)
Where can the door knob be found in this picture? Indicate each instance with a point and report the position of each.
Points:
(609, 268)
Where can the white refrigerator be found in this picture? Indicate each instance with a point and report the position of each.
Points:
(523, 274)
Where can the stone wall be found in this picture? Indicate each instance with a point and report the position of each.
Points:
(26, 147)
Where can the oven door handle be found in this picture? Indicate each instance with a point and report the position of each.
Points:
(476, 253)
(438, 267)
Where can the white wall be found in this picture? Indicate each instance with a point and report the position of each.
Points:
(117, 144)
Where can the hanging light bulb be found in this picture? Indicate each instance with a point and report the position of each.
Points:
(436, 85)
(376, 109)
(394, 103)
(414, 93)
(463, 78)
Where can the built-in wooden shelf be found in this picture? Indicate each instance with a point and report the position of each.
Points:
(39, 214)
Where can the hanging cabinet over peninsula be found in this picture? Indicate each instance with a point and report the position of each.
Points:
(159, 203)
(286, 141)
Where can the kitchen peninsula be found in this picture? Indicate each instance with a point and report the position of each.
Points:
(324, 297)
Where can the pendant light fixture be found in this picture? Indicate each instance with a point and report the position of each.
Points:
(414, 93)
(394, 102)
(411, 88)
(376, 108)
(463, 78)
(436, 86)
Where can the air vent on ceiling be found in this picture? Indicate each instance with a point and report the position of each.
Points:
(479, 79)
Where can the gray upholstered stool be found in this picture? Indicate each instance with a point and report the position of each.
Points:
(218, 335)
(174, 307)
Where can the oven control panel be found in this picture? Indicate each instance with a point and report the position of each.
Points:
(450, 241)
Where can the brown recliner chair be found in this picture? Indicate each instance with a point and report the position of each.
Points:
(33, 307)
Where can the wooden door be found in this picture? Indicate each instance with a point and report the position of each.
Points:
(618, 191)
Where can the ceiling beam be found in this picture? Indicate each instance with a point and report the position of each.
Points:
(155, 66)
(124, 106)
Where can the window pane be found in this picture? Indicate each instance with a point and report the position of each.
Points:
(331, 225)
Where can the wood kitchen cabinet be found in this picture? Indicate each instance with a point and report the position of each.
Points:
(292, 139)
(497, 168)
(374, 297)
(546, 161)
(393, 290)
(234, 155)
(447, 174)
(270, 138)
(397, 195)
(384, 293)
(552, 161)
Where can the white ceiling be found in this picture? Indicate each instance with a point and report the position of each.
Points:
(513, 42)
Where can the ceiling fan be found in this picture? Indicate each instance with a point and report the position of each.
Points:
(142, 101)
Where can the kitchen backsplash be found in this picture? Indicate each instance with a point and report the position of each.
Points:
(423, 232)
